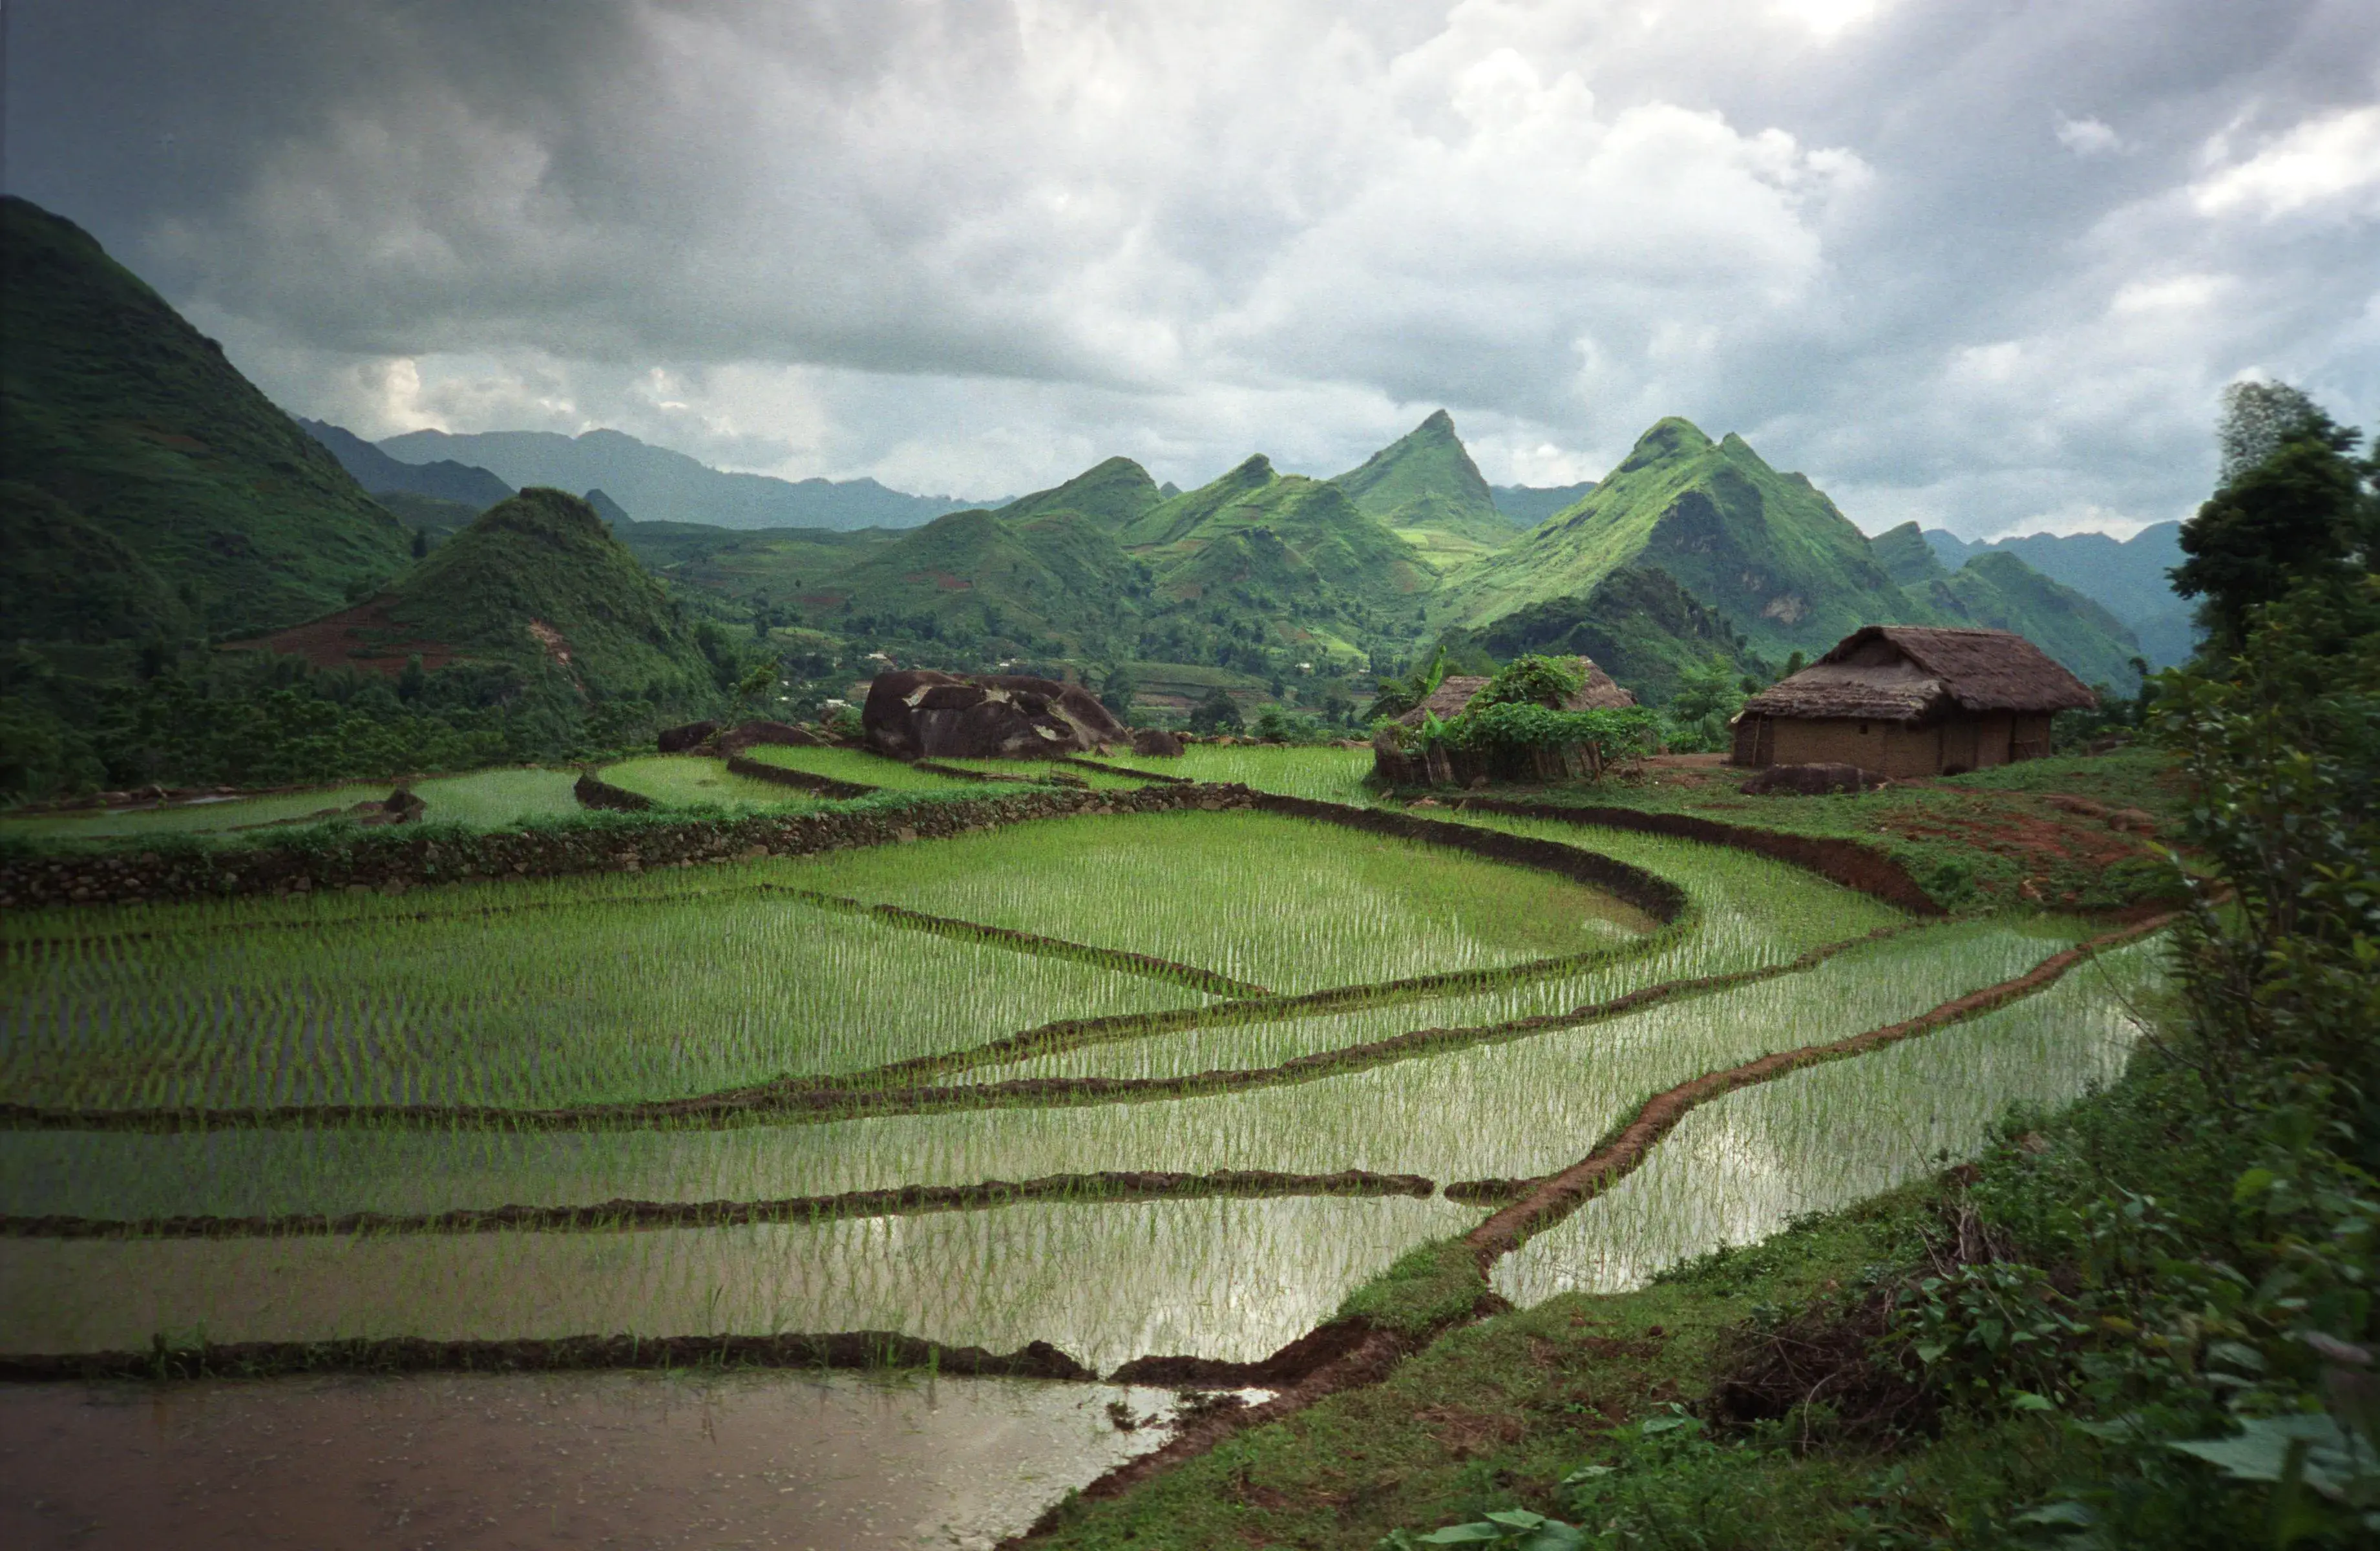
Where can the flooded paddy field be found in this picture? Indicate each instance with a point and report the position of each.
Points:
(1173, 1086)
(802, 1460)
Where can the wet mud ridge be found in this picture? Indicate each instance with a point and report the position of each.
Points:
(1100, 1189)
(1355, 1354)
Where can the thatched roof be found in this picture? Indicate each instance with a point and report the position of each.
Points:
(1912, 672)
(1596, 690)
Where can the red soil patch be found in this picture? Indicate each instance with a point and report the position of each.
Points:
(363, 636)
(2037, 843)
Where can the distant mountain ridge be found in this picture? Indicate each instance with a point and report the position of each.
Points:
(380, 474)
(660, 485)
(2127, 576)
(1527, 506)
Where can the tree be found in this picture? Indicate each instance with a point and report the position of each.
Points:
(2259, 417)
(1530, 681)
(420, 542)
(755, 686)
(2296, 514)
(1217, 713)
(1116, 692)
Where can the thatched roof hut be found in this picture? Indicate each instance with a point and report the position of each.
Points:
(1907, 699)
(1595, 689)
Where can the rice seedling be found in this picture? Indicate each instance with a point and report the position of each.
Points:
(1746, 912)
(1514, 1109)
(1739, 1168)
(491, 799)
(693, 781)
(1280, 903)
(206, 816)
(857, 765)
(606, 1001)
(1061, 770)
(1326, 774)
(1232, 1279)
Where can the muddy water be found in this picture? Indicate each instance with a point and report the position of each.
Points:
(610, 1460)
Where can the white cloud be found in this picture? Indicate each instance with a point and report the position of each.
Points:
(972, 247)
(2330, 161)
(2088, 137)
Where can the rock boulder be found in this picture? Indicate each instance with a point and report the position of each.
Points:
(1807, 781)
(920, 714)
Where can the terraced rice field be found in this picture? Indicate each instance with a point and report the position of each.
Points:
(857, 765)
(485, 800)
(1184, 1029)
(694, 780)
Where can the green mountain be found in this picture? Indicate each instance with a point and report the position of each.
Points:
(1906, 557)
(1315, 524)
(1527, 506)
(2127, 577)
(1998, 590)
(1058, 576)
(1637, 624)
(1766, 550)
(1424, 488)
(538, 581)
(202, 506)
(1115, 492)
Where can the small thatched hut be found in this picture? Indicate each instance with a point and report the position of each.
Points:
(1595, 689)
(1907, 700)
(1432, 764)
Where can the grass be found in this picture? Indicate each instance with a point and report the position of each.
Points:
(1973, 841)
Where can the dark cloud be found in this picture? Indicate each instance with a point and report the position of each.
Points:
(1981, 264)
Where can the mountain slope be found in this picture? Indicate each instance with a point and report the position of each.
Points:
(663, 486)
(1906, 556)
(1353, 557)
(1059, 575)
(1423, 488)
(2127, 578)
(1114, 492)
(1637, 624)
(1527, 506)
(1999, 591)
(1766, 550)
(134, 426)
(538, 579)
(379, 473)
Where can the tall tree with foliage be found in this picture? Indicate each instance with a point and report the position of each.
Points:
(2301, 511)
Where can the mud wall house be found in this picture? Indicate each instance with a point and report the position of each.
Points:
(1901, 701)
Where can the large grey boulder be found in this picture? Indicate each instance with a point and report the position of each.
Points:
(920, 714)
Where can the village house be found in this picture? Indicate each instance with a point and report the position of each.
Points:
(1900, 700)
(1595, 689)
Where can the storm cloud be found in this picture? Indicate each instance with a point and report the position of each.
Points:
(1984, 264)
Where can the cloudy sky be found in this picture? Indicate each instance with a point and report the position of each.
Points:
(1980, 262)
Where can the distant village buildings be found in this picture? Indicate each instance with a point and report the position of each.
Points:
(1900, 700)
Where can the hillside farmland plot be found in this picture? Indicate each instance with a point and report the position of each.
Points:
(940, 1015)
